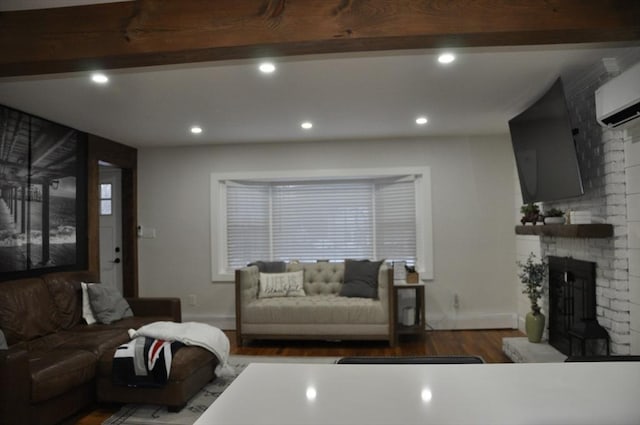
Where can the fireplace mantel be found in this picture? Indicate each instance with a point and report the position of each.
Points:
(568, 230)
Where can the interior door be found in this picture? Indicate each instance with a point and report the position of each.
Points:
(111, 226)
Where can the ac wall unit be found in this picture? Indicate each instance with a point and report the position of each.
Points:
(618, 100)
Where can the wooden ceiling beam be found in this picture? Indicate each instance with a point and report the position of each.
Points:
(157, 32)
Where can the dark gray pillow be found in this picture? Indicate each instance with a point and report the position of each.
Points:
(360, 278)
(107, 304)
(270, 266)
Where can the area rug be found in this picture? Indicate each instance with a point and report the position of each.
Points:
(135, 414)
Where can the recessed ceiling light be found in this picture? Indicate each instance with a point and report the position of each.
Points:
(99, 78)
(267, 67)
(446, 58)
(306, 125)
(196, 129)
(421, 120)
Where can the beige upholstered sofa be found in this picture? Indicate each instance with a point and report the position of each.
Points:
(321, 314)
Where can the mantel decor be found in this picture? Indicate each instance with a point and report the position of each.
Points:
(42, 196)
(530, 214)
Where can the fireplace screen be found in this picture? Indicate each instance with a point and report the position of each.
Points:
(572, 306)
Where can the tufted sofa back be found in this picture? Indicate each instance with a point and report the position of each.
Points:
(324, 278)
(321, 278)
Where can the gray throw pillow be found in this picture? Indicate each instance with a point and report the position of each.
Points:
(3, 341)
(107, 304)
(360, 278)
(270, 266)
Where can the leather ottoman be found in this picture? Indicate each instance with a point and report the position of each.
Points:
(191, 369)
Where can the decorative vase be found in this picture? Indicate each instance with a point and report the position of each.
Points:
(554, 220)
(534, 325)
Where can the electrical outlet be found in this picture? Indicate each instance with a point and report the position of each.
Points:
(192, 300)
(456, 301)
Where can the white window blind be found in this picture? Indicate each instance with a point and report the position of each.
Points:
(248, 223)
(324, 219)
(396, 220)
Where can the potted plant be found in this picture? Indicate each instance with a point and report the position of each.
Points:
(531, 214)
(532, 274)
(554, 216)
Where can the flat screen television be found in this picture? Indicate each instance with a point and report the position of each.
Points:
(544, 148)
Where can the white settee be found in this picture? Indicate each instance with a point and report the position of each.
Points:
(320, 314)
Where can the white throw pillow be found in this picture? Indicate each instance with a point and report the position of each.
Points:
(281, 285)
(87, 313)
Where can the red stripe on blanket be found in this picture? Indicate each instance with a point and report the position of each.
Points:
(154, 352)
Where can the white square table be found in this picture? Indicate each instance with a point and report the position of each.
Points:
(530, 393)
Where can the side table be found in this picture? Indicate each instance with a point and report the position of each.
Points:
(418, 327)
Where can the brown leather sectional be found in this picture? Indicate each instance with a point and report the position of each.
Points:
(56, 364)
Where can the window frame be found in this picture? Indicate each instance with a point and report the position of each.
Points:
(424, 230)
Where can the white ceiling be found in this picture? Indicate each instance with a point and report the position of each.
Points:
(346, 96)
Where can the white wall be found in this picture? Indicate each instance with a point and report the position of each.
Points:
(472, 196)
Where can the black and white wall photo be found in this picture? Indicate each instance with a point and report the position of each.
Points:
(41, 214)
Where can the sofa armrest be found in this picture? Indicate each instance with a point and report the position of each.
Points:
(146, 307)
(386, 297)
(15, 386)
(246, 282)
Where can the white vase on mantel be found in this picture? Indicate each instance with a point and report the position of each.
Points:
(554, 220)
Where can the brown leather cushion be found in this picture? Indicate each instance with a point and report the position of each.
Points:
(26, 310)
(122, 324)
(56, 372)
(185, 362)
(133, 322)
(96, 343)
(66, 292)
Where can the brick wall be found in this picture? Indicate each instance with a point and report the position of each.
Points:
(632, 172)
(601, 155)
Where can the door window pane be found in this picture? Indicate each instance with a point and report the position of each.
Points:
(105, 199)
(105, 191)
(105, 207)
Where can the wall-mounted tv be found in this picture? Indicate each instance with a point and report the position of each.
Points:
(542, 139)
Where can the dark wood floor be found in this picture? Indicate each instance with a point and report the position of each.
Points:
(485, 343)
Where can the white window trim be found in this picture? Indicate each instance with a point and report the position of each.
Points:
(424, 228)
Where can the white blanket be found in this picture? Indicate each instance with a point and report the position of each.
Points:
(192, 333)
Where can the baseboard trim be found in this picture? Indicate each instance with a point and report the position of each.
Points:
(442, 321)
(221, 322)
(521, 323)
(437, 321)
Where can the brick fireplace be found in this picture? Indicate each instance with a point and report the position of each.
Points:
(610, 178)
(602, 159)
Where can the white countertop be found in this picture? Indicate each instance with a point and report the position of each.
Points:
(545, 393)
